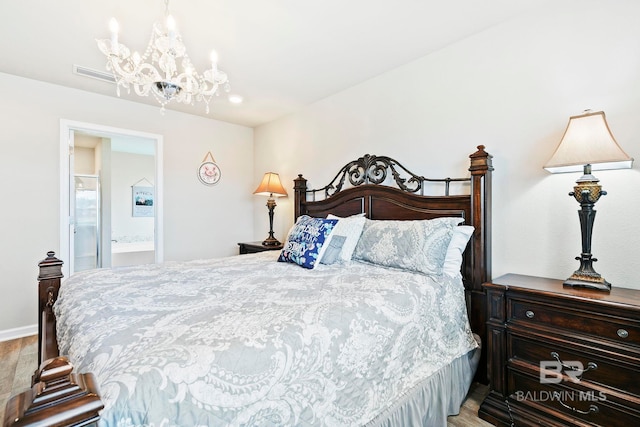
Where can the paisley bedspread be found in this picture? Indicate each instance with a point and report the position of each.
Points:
(248, 341)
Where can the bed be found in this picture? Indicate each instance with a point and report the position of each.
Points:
(375, 337)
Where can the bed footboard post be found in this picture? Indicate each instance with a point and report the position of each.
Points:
(48, 287)
(57, 398)
(300, 195)
(481, 168)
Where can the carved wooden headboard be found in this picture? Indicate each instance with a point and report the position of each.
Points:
(381, 188)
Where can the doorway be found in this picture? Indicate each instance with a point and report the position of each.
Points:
(86, 235)
(111, 197)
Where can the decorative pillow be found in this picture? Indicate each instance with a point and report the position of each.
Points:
(457, 245)
(306, 240)
(350, 227)
(334, 247)
(411, 245)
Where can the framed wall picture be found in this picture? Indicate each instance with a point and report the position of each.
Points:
(142, 201)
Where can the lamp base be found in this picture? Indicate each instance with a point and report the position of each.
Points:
(587, 192)
(595, 282)
(271, 241)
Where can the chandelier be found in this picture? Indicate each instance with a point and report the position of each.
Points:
(164, 69)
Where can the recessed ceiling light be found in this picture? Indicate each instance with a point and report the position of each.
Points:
(235, 99)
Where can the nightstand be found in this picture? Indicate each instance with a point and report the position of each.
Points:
(561, 356)
(253, 247)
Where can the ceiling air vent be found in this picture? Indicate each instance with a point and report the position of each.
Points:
(94, 74)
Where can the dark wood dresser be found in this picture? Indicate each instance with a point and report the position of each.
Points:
(561, 356)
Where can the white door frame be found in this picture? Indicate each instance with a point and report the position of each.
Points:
(66, 127)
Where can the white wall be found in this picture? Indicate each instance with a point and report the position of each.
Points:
(199, 221)
(511, 88)
(84, 161)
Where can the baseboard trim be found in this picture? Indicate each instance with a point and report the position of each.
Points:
(12, 334)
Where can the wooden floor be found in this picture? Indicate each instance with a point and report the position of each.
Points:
(19, 357)
(18, 361)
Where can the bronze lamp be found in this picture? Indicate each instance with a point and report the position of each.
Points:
(271, 186)
(587, 144)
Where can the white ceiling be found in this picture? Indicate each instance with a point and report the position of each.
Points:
(280, 55)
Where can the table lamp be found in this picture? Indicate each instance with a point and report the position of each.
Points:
(587, 144)
(271, 186)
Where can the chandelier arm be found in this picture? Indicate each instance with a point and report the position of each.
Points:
(142, 89)
(143, 74)
(120, 72)
(209, 92)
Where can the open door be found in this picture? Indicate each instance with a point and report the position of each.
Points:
(100, 168)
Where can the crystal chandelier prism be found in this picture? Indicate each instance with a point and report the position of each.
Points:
(164, 69)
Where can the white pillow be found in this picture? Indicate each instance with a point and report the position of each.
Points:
(333, 249)
(351, 228)
(457, 245)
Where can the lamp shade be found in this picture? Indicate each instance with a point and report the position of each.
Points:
(271, 186)
(588, 140)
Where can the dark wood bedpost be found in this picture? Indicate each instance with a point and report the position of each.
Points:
(57, 397)
(300, 189)
(481, 168)
(48, 287)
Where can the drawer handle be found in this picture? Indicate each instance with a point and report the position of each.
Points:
(572, 368)
(592, 408)
(623, 333)
(530, 314)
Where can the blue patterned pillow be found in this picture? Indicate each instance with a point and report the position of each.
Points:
(305, 242)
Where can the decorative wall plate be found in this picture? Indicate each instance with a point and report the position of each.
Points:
(209, 172)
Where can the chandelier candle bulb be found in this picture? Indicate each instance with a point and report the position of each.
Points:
(214, 60)
(114, 27)
(171, 28)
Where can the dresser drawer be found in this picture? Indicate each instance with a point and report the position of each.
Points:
(570, 404)
(607, 372)
(536, 323)
(533, 314)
